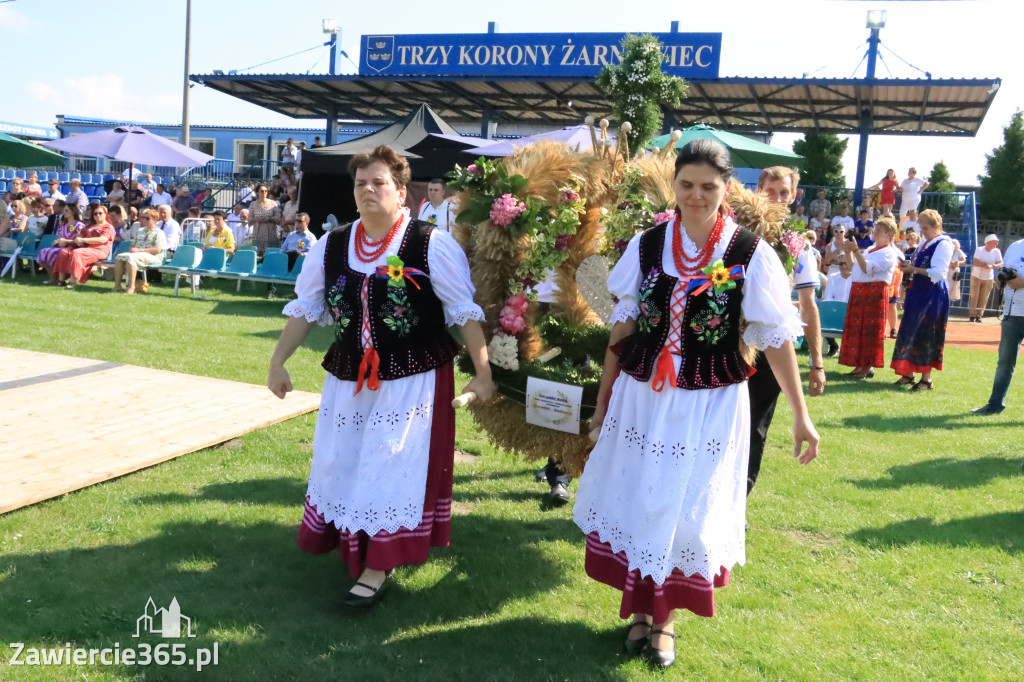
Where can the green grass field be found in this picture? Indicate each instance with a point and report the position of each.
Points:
(896, 555)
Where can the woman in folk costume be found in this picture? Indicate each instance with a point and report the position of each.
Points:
(922, 334)
(864, 327)
(381, 479)
(663, 496)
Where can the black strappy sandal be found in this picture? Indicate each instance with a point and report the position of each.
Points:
(923, 385)
(375, 595)
(636, 646)
(658, 657)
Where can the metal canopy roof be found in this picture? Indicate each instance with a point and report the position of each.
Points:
(953, 107)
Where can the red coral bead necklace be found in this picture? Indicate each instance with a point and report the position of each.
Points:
(691, 266)
(367, 251)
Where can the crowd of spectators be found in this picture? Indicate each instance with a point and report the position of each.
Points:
(833, 223)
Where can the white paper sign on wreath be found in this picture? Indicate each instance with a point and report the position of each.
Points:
(553, 405)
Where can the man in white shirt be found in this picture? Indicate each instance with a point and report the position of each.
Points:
(170, 226)
(911, 189)
(130, 170)
(987, 259)
(288, 153)
(1012, 332)
(147, 183)
(160, 197)
(435, 209)
(910, 222)
(844, 218)
(246, 195)
(54, 191)
(779, 183)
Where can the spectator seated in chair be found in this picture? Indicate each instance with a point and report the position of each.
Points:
(219, 236)
(299, 241)
(149, 247)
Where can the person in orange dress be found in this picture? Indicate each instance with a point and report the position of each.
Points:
(90, 246)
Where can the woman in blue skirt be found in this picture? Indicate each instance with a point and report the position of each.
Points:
(922, 332)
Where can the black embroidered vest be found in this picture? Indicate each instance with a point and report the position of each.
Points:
(406, 324)
(710, 342)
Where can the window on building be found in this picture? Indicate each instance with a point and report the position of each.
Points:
(203, 145)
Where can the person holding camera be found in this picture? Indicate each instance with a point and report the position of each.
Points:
(1012, 332)
(922, 334)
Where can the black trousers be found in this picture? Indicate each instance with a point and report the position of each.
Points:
(552, 471)
(764, 394)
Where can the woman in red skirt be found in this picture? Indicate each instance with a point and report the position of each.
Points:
(90, 246)
(864, 329)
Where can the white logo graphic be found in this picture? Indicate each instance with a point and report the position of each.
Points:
(380, 52)
(164, 622)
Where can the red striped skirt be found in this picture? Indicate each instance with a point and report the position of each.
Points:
(385, 551)
(864, 328)
(643, 595)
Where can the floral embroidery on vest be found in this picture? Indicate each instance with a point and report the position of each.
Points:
(711, 324)
(339, 306)
(396, 313)
(650, 314)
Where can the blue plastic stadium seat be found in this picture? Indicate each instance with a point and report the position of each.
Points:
(8, 174)
(43, 177)
(76, 176)
(21, 174)
(90, 191)
(273, 268)
(3, 186)
(65, 189)
(212, 262)
(119, 248)
(64, 177)
(242, 266)
(107, 177)
(833, 317)
(296, 269)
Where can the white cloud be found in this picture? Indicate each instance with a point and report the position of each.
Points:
(13, 20)
(104, 96)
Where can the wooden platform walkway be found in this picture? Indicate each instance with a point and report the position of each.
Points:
(67, 423)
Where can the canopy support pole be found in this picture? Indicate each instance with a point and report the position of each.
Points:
(332, 124)
(867, 122)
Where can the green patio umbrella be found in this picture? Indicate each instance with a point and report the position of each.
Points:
(746, 153)
(21, 154)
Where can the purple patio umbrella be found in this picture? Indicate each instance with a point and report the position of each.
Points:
(132, 144)
(577, 137)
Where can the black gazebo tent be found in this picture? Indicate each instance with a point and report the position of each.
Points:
(327, 185)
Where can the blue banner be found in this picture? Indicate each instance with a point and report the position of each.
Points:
(29, 131)
(575, 55)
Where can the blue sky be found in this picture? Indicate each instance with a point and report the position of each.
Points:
(126, 60)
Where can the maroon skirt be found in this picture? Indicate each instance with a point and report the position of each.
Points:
(643, 595)
(864, 328)
(385, 551)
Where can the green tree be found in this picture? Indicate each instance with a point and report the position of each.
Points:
(638, 88)
(1002, 187)
(823, 159)
(939, 181)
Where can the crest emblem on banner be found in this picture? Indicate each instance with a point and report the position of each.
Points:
(380, 52)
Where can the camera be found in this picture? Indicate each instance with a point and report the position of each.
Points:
(1005, 275)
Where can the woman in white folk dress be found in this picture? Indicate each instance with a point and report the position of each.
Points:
(381, 479)
(663, 496)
